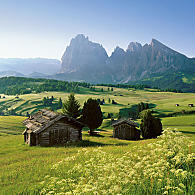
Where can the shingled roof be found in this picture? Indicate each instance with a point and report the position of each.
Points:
(129, 122)
(44, 119)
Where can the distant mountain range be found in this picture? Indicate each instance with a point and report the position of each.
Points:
(83, 60)
(154, 64)
(22, 67)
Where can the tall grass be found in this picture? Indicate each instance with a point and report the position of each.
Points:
(162, 167)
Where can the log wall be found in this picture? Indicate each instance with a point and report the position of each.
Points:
(58, 133)
(125, 131)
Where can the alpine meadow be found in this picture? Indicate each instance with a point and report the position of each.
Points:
(97, 97)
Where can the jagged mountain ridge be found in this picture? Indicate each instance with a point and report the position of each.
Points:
(84, 60)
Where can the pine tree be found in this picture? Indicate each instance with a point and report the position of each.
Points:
(60, 103)
(92, 114)
(138, 109)
(146, 106)
(71, 107)
(142, 106)
(150, 126)
(44, 101)
(27, 114)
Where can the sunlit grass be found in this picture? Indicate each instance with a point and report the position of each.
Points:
(22, 168)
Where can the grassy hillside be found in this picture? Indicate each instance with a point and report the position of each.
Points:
(178, 81)
(11, 125)
(164, 102)
(24, 169)
(103, 161)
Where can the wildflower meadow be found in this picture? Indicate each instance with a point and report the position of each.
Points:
(162, 167)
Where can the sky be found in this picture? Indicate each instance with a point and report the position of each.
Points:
(44, 28)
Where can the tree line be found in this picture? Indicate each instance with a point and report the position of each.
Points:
(20, 85)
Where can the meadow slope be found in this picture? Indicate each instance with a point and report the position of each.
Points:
(24, 168)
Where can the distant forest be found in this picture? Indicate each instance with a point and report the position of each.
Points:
(21, 85)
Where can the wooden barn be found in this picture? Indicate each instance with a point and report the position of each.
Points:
(47, 128)
(126, 129)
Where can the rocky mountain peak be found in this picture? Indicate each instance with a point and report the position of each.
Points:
(117, 51)
(79, 39)
(83, 53)
(134, 47)
(85, 60)
(157, 44)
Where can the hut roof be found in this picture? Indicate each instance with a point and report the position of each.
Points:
(45, 118)
(127, 121)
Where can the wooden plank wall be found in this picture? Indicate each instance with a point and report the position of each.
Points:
(59, 133)
(124, 131)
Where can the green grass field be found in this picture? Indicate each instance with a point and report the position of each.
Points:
(164, 102)
(22, 168)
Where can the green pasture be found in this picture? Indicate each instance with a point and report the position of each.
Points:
(164, 102)
(184, 124)
(22, 168)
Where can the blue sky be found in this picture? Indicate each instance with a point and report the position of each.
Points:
(43, 28)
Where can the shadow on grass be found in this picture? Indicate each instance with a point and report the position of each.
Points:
(187, 132)
(87, 143)
(98, 135)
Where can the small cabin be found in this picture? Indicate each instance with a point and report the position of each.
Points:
(176, 104)
(191, 105)
(47, 128)
(126, 129)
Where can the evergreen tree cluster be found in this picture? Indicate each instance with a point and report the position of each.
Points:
(113, 102)
(20, 85)
(101, 102)
(92, 88)
(91, 114)
(142, 106)
(48, 101)
(125, 86)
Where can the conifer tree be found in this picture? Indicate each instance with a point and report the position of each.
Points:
(92, 114)
(60, 103)
(150, 126)
(71, 107)
(44, 101)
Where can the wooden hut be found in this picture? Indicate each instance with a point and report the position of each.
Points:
(47, 128)
(126, 129)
